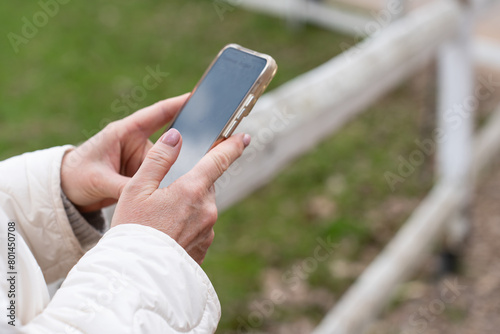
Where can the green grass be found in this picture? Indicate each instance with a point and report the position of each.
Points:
(59, 89)
(62, 83)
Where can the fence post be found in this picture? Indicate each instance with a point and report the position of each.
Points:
(456, 106)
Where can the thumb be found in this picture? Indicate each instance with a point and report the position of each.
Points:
(157, 162)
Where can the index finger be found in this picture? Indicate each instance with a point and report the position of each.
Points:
(152, 118)
(218, 160)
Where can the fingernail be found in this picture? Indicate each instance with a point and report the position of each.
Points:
(171, 138)
(246, 139)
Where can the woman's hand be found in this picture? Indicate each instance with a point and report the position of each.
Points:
(185, 210)
(121, 163)
(94, 174)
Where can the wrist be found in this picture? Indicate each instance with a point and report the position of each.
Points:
(83, 183)
(70, 185)
(67, 167)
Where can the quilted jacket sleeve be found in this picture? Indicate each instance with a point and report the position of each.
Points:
(30, 194)
(135, 280)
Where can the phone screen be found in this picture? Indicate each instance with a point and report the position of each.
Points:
(211, 106)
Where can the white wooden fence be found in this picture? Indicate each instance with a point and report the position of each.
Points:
(321, 101)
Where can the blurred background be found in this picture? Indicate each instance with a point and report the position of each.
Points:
(61, 82)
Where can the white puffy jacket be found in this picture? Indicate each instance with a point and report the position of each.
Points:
(135, 280)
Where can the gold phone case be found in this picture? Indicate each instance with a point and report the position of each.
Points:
(253, 94)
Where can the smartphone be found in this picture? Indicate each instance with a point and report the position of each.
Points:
(225, 94)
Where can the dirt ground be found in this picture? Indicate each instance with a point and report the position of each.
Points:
(464, 303)
(468, 302)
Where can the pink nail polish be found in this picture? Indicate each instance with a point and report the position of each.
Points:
(171, 138)
(246, 139)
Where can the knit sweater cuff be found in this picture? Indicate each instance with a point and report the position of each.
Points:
(87, 227)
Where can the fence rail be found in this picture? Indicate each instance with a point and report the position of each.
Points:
(308, 11)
